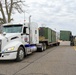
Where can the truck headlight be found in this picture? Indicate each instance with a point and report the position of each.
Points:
(10, 49)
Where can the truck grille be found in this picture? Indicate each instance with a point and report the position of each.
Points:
(0, 44)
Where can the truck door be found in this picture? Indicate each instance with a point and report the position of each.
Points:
(26, 40)
(25, 36)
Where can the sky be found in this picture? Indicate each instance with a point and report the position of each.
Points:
(55, 14)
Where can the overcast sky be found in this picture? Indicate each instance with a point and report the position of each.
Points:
(56, 14)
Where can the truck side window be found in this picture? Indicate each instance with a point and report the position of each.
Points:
(24, 30)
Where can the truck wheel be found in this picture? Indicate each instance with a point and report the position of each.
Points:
(42, 49)
(44, 46)
(20, 54)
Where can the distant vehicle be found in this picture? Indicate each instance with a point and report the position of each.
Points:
(73, 41)
(18, 40)
(65, 35)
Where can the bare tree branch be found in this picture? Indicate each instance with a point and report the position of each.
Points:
(6, 6)
(10, 11)
(3, 15)
(10, 6)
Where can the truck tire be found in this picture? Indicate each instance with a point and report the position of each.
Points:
(20, 54)
(42, 49)
(44, 46)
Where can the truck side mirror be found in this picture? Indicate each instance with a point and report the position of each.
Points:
(26, 31)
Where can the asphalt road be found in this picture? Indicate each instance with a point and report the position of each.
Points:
(59, 60)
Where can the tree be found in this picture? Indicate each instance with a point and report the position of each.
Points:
(8, 7)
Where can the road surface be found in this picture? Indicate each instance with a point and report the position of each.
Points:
(59, 60)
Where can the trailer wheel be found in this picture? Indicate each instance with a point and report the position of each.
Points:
(42, 49)
(44, 46)
(20, 54)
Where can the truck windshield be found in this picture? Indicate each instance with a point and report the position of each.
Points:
(12, 29)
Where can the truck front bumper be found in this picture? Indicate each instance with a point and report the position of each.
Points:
(8, 56)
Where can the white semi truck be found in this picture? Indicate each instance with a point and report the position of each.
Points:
(18, 40)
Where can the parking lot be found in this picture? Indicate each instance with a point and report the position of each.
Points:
(59, 60)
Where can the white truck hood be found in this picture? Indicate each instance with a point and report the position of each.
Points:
(9, 35)
(7, 38)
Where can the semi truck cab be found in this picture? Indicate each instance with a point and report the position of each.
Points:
(18, 40)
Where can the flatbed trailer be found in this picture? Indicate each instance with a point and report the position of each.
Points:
(47, 37)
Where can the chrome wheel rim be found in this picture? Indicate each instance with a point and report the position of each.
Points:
(21, 54)
(42, 48)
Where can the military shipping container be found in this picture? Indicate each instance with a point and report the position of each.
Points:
(45, 33)
(65, 35)
(53, 36)
(48, 35)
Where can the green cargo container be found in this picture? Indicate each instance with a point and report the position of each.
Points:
(53, 36)
(48, 34)
(65, 35)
